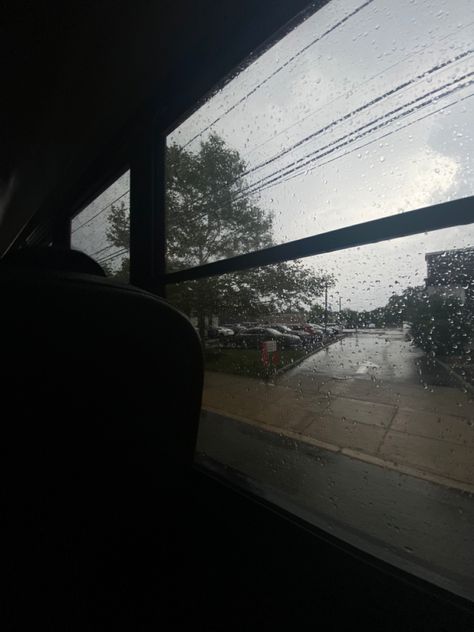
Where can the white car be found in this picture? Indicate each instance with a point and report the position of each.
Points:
(219, 332)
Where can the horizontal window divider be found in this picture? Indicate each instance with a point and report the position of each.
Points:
(436, 217)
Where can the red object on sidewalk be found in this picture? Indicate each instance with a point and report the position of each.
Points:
(265, 359)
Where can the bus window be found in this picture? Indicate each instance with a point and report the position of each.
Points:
(102, 229)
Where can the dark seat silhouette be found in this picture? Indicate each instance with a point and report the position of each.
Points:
(101, 390)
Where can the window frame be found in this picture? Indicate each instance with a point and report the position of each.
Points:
(417, 221)
(145, 158)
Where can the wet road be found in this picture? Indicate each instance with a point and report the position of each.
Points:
(383, 355)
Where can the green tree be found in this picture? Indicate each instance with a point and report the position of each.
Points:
(350, 318)
(118, 235)
(211, 216)
(316, 314)
(404, 306)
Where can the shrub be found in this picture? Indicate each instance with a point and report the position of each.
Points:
(441, 326)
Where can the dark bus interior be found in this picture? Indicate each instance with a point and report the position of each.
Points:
(107, 521)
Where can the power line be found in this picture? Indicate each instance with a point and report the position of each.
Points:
(254, 187)
(277, 70)
(100, 212)
(303, 161)
(113, 255)
(240, 194)
(370, 142)
(94, 254)
(361, 108)
(360, 85)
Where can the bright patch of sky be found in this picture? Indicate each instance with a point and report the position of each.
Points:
(409, 149)
(89, 227)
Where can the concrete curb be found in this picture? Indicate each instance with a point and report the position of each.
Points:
(349, 452)
(287, 367)
(459, 378)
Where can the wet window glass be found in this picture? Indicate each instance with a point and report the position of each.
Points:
(362, 111)
(341, 388)
(102, 229)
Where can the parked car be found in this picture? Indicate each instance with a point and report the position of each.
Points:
(334, 327)
(286, 329)
(313, 332)
(324, 330)
(253, 336)
(219, 332)
(317, 327)
(235, 327)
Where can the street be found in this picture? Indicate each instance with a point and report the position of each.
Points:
(424, 528)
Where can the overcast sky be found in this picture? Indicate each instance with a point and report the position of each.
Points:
(428, 161)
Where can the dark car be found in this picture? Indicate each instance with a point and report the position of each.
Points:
(253, 336)
(325, 331)
(315, 335)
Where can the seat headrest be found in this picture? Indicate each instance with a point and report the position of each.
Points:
(59, 259)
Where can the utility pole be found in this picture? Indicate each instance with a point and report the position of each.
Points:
(340, 304)
(325, 306)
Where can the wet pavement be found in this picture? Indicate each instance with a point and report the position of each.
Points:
(362, 396)
(379, 355)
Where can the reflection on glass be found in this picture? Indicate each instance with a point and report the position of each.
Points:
(350, 400)
(102, 229)
(341, 121)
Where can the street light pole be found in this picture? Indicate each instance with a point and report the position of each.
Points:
(326, 306)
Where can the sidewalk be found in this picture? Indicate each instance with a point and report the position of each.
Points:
(426, 433)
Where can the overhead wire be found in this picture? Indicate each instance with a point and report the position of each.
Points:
(370, 142)
(114, 255)
(350, 92)
(94, 254)
(359, 109)
(253, 188)
(278, 70)
(308, 158)
(100, 212)
(410, 83)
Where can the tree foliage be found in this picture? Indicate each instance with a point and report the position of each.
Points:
(118, 235)
(284, 287)
(211, 216)
(441, 326)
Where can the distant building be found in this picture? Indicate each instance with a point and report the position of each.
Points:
(212, 321)
(282, 319)
(450, 273)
